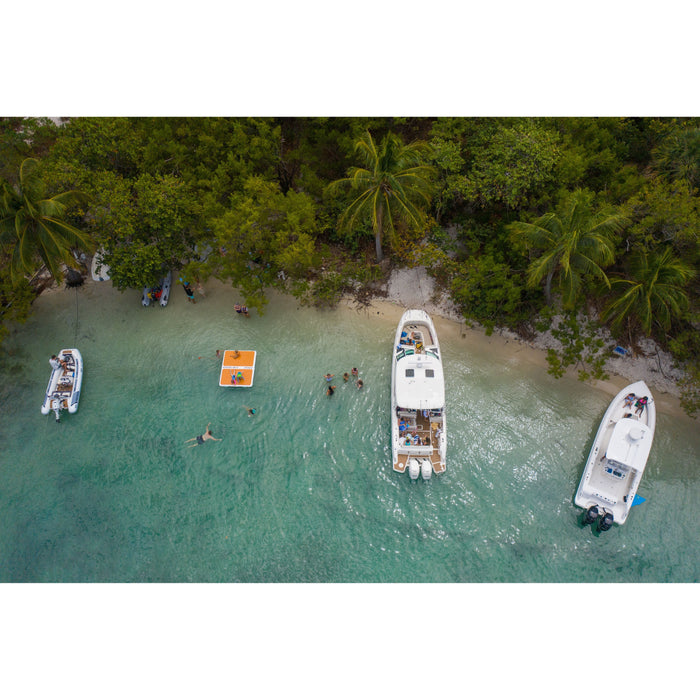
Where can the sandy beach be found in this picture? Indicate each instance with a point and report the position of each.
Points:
(413, 287)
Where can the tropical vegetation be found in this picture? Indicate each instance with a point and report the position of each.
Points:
(520, 220)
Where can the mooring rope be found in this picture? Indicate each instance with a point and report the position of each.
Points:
(75, 342)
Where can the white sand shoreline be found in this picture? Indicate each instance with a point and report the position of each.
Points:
(414, 288)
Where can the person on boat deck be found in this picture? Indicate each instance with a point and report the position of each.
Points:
(57, 362)
(409, 439)
(416, 440)
(402, 425)
(206, 435)
(438, 432)
(629, 400)
(639, 406)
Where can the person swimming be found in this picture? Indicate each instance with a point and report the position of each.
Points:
(200, 439)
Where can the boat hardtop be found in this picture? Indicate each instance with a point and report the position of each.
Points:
(417, 398)
(619, 455)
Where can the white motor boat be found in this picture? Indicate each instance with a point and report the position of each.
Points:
(418, 430)
(159, 293)
(99, 271)
(618, 457)
(63, 391)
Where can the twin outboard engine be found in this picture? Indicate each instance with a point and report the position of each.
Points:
(606, 522)
(426, 469)
(591, 515)
(413, 468)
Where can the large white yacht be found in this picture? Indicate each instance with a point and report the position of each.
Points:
(618, 456)
(418, 430)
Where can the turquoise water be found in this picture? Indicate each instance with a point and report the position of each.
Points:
(304, 490)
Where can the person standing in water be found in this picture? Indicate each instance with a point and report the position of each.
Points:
(206, 435)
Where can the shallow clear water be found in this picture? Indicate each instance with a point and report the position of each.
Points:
(304, 490)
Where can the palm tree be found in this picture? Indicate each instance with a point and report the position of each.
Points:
(571, 244)
(392, 184)
(34, 228)
(654, 294)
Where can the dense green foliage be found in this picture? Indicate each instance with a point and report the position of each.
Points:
(513, 216)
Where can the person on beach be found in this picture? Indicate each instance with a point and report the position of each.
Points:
(328, 377)
(639, 406)
(251, 411)
(57, 362)
(189, 291)
(330, 391)
(206, 435)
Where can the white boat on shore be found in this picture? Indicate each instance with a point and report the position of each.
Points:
(63, 391)
(98, 270)
(418, 430)
(618, 457)
(159, 293)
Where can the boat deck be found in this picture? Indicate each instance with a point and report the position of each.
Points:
(425, 428)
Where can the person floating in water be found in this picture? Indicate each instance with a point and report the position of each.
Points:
(346, 377)
(206, 435)
(242, 310)
(251, 411)
(328, 377)
(360, 384)
(330, 391)
(354, 372)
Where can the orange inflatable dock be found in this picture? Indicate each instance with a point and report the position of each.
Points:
(238, 368)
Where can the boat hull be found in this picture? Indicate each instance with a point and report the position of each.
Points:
(63, 390)
(418, 400)
(619, 454)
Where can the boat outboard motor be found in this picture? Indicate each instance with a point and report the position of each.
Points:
(56, 408)
(605, 523)
(426, 469)
(591, 515)
(413, 468)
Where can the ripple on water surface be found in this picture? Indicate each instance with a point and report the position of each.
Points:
(304, 490)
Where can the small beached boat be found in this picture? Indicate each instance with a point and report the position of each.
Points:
(159, 293)
(98, 270)
(63, 391)
(166, 283)
(618, 457)
(237, 368)
(418, 429)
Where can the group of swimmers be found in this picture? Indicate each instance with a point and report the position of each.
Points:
(346, 378)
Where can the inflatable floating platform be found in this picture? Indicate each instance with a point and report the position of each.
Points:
(238, 368)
